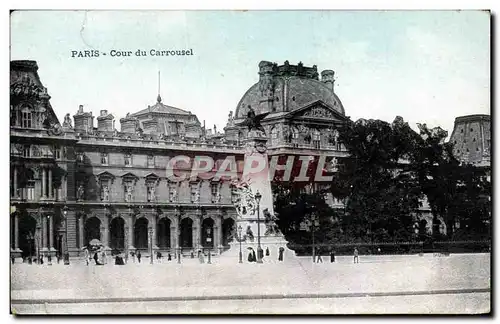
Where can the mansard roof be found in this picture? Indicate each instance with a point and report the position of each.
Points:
(161, 108)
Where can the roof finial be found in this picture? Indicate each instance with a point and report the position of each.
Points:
(159, 97)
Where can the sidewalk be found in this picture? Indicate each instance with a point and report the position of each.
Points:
(229, 279)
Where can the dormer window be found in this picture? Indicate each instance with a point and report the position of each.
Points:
(26, 119)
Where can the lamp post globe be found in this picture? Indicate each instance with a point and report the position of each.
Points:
(260, 252)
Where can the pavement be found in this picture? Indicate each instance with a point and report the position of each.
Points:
(461, 279)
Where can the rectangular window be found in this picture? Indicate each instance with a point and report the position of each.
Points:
(194, 192)
(151, 196)
(215, 192)
(26, 119)
(104, 190)
(128, 160)
(151, 161)
(104, 158)
(30, 190)
(128, 191)
(57, 152)
(234, 194)
(26, 151)
(172, 193)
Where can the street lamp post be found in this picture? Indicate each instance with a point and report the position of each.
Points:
(258, 196)
(66, 253)
(239, 239)
(313, 224)
(37, 236)
(151, 244)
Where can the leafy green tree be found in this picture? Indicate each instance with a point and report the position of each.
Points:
(379, 187)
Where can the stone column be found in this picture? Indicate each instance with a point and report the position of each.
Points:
(16, 231)
(44, 182)
(51, 194)
(51, 233)
(80, 231)
(218, 233)
(105, 237)
(131, 232)
(44, 233)
(15, 182)
(154, 223)
(196, 232)
(173, 236)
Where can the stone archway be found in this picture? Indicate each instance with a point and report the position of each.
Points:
(163, 233)
(228, 231)
(117, 233)
(27, 235)
(92, 229)
(207, 233)
(186, 235)
(141, 233)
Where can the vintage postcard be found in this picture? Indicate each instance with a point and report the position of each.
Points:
(250, 162)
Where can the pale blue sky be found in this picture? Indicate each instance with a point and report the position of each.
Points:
(426, 66)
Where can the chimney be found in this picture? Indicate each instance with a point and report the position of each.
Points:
(84, 121)
(129, 124)
(105, 122)
(328, 77)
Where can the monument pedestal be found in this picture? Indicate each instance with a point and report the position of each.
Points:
(256, 207)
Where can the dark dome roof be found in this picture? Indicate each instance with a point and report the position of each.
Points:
(291, 92)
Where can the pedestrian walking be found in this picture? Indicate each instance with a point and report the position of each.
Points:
(139, 255)
(132, 254)
(104, 259)
(280, 253)
(319, 258)
(356, 255)
(332, 256)
(49, 259)
(58, 256)
(169, 257)
(267, 251)
(201, 256)
(86, 255)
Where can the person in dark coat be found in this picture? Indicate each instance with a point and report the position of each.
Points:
(254, 258)
(96, 258)
(280, 255)
(251, 256)
(169, 257)
(267, 251)
(318, 256)
(139, 255)
(332, 256)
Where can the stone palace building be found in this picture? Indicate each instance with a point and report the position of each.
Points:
(80, 179)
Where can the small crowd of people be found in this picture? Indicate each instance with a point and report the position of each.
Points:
(253, 258)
